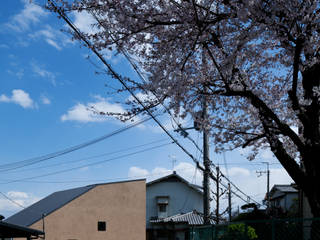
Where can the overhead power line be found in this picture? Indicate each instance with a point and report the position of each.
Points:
(11, 200)
(31, 161)
(86, 158)
(116, 76)
(86, 165)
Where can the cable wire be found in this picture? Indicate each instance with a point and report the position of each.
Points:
(11, 200)
(86, 158)
(86, 165)
(31, 161)
(115, 75)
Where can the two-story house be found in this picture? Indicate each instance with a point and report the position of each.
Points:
(173, 205)
(283, 198)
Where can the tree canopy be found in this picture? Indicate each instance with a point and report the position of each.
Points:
(256, 62)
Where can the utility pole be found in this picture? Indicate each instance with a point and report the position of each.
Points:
(206, 163)
(229, 201)
(218, 195)
(200, 124)
(268, 182)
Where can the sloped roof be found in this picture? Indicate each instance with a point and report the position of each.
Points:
(285, 188)
(175, 177)
(279, 190)
(47, 205)
(191, 218)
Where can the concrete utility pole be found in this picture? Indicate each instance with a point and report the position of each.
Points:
(206, 163)
(268, 182)
(217, 195)
(229, 201)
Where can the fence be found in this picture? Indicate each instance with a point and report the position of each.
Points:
(273, 229)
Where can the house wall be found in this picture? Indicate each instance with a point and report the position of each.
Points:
(122, 205)
(182, 198)
(289, 200)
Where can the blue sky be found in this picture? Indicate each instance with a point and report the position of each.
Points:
(46, 88)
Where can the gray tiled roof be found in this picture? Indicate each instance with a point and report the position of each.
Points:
(192, 218)
(46, 206)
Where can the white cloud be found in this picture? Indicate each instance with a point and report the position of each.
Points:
(53, 37)
(89, 112)
(13, 194)
(29, 15)
(42, 72)
(137, 172)
(20, 198)
(83, 21)
(245, 179)
(237, 172)
(19, 73)
(19, 97)
(266, 154)
(45, 100)
(184, 169)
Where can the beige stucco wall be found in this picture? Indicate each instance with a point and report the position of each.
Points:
(122, 205)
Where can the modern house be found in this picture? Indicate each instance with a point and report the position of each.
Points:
(114, 211)
(283, 198)
(173, 206)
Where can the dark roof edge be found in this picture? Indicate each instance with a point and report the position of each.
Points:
(26, 229)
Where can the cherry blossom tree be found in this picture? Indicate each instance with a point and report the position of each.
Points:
(256, 62)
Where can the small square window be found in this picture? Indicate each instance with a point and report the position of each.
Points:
(162, 207)
(102, 226)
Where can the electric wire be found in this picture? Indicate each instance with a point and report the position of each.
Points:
(141, 76)
(107, 179)
(31, 161)
(11, 200)
(122, 81)
(86, 165)
(116, 76)
(86, 158)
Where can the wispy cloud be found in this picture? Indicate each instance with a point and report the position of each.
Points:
(45, 100)
(29, 15)
(4, 46)
(53, 37)
(19, 97)
(84, 112)
(19, 73)
(42, 72)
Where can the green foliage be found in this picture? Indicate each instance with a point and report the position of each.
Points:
(240, 231)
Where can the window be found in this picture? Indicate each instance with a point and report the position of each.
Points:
(102, 226)
(162, 207)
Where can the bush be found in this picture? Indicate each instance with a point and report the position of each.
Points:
(238, 232)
